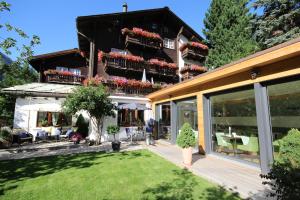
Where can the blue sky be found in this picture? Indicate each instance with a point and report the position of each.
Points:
(54, 20)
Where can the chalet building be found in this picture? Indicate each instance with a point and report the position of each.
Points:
(132, 53)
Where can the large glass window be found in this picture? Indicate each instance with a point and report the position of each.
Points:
(234, 125)
(187, 113)
(284, 101)
(53, 119)
(128, 118)
(164, 121)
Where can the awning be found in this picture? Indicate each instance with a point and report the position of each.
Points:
(41, 89)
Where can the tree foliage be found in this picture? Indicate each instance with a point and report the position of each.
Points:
(94, 100)
(18, 71)
(186, 137)
(227, 32)
(279, 22)
(285, 173)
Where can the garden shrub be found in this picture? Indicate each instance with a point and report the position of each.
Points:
(284, 177)
(82, 126)
(186, 137)
(5, 137)
(113, 130)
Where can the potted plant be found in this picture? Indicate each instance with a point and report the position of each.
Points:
(113, 130)
(186, 140)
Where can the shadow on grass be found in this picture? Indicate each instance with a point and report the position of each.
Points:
(183, 187)
(13, 171)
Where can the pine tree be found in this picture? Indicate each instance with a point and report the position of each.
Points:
(227, 32)
(279, 22)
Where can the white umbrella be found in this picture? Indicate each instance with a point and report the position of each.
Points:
(152, 82)
(144, 79)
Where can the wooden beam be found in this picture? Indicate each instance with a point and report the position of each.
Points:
(91, 60)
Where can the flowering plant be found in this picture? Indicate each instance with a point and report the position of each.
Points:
(57, 72)
(141, 32)
(197, 45)
(162, 64)
(195, 68)
(117, 55)
(96, 81)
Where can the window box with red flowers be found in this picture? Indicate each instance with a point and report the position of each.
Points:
(140, 37)
(194, 50)
(162, 66)
(63, 77)
(124, 86)
(114, 60)
(189, 71)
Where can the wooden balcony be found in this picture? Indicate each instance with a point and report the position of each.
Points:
(189, 71)
(121, 64)
(143, 42)
(194, 54)
(66, 79)
(128, 90)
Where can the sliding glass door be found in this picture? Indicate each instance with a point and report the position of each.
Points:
(163, 119)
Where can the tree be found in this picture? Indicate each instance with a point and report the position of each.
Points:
(279, 22)
(227, 32)
(15, 72)
(94, 100)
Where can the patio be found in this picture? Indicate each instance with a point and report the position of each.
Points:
(232, 175)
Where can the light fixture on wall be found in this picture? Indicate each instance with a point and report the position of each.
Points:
(254, 73)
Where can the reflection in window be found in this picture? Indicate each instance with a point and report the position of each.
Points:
(53, 119)
(164, 121)
(187, 113)
(284, 101)
(234, 125)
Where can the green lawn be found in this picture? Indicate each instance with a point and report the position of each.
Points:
(127, 175)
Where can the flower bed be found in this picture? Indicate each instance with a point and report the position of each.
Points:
(196, 45)
(140, 32)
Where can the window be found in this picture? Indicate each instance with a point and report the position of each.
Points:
(187, 113)
(154, 26)
(72, 70)
(64, 69)
(124, 52)
(234, 125)
(163, 118)
(130, 118)
(75, 71)
(168, 43)
(53, 119)
(284, 101)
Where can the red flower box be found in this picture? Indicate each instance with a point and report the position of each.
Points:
(140, 32)
(197, 45)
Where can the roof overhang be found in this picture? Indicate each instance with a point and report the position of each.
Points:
(269, 56)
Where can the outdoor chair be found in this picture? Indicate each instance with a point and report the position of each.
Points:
(41, 136)
(22, 136)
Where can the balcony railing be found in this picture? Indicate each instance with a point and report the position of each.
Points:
(142, 41)
(193, 53)
(159, 68)
(140, 37)
(128, 90)
(189, 71)
(70, 79)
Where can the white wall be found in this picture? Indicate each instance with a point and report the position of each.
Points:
(26, 110)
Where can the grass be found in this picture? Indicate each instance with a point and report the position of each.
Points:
(127, 175)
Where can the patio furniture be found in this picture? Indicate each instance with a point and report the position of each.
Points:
(21, 136)
(251, 146)
(41, 135)
(221, 141)
(131, 134)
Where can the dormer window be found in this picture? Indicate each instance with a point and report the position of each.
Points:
(169, 44)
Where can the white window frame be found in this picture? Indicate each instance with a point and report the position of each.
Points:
(169, 44)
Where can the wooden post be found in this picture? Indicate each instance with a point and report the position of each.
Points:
(91, 60)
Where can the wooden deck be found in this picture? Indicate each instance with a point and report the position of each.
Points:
(232, 175)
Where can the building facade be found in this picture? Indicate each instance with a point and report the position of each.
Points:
(132, 53)
(240, 110)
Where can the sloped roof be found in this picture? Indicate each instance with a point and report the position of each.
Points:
(83, 30)
(41, 89)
